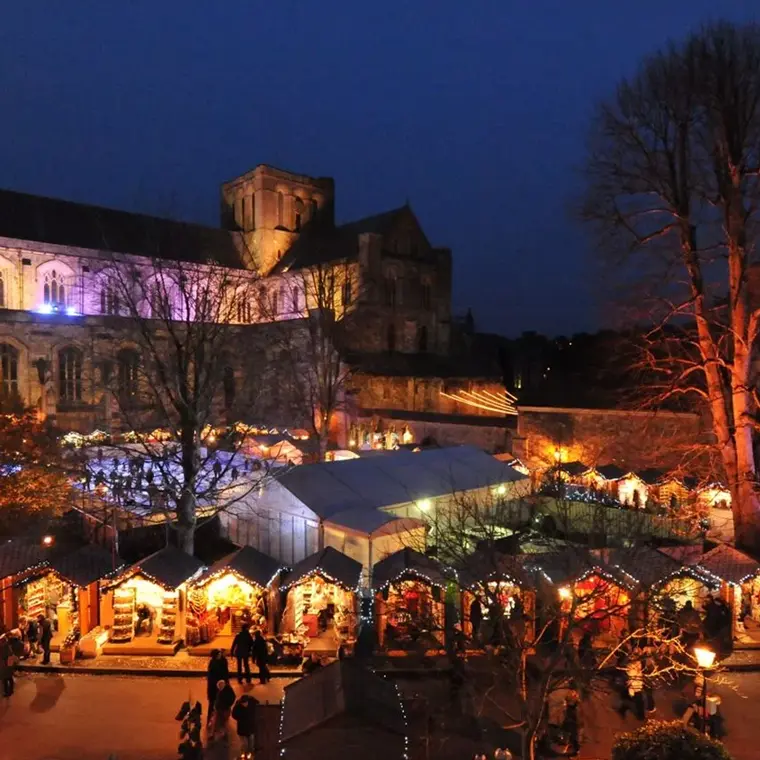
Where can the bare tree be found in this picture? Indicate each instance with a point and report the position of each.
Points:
(184, 362)
(672, 183)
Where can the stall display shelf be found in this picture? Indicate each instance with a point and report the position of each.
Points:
(123, 616)
(168, 620)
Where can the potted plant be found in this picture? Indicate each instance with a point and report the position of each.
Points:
(69, 647)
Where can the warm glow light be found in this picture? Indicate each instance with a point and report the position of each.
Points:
(45, 308)
(424, 505)
(352, 442)
(71, 311)
(705, 657)
(564, 592)
(48, 540)
(484, 400)
(501, 490)
(558, 455)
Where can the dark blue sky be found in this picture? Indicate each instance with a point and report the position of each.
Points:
(474, 111)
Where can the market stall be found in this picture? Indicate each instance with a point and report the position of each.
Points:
(144, 606)
(18, 560)
(737, 577)
(231, 592)
(410, 590)
(321, 603)
(495, 584)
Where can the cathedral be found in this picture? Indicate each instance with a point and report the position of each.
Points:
(277, 230)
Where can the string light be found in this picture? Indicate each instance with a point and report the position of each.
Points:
(484, 400)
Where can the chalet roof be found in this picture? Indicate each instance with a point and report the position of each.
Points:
(611, 471)
(409, 563)
(249, 563)
(18, 556)
(80, 225)
(331, 564)
(483, 566)
(729, 564)
(651, 476)
(341, 688)
(86, 565)
(329, 488)
(170, 567)
(645, 565)
(574, 469)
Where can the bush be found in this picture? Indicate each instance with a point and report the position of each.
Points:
(662, 740)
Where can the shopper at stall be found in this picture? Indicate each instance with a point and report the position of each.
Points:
(244, 714)
(32, 636)
(46, 636)
(218, 670)
(260, 654)
(242, 648)
(311, 664)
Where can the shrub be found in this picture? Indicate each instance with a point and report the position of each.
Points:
(663, 740)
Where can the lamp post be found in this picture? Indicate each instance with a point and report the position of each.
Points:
(705, 659)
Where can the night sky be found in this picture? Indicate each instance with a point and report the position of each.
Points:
(474, 112)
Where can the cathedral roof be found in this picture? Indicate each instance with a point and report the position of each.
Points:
(80, 225)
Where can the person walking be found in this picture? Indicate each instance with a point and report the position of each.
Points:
(225, 698)
(46, 636)
(261, 656)
(571, 723)
(32, 636)
(244, 714)
(7, 664)
(476, 618)
(218, 670)
(242, 646)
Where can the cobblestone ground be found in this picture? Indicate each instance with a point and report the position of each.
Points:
(85, 717)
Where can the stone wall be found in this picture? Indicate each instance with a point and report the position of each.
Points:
(632, 440)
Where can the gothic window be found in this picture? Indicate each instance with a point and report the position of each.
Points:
(299, 214)
(2, 290)
(391, 337)
(280, 210)
(390, 290)
(54, 290)
(283, 303)
(109, 300)
(244, 314)
(128, 363)
(228, 382)
(274, 303)
(314, 208)
(422, 339)
(8, 370)
(70, 374)
(243, 213)
(347, 294)
(296, 301)
(426, 295)
(253, 211)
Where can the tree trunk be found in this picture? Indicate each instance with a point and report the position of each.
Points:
(528, 744)
(187, 521)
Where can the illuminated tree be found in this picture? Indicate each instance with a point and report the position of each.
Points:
(672, 177)
(661, 740)
(34, 484)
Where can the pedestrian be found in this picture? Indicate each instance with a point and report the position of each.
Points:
(225, 698)
(635, 682)
(244, 714)
(242, 646)
(46, 636)
(571, 723)
(33, 635)
(218, 670)
(7, 665)
(311, 664)
(586, 650)
(476, 618)
(260, 653)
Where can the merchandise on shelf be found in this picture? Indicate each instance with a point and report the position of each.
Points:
(168, 619)
(123, 615)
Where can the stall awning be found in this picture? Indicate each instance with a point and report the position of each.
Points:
(168, 567)
(342, 688)
(643, 566)
(248, 563)
(489, 566)
(407, 564)
(729, 564)
(86, 565)
(20, 556)
(571, 566)
(331, 564)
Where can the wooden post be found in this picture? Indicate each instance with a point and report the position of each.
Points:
(6, 602)
(85, 615)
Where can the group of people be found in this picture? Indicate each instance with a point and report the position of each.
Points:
(28, 640)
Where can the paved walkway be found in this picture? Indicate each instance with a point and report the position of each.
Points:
(75, 717)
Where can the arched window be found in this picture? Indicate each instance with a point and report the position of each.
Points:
(426, 295)
(280, 210)
(275, 304)
(422, 339)
(228, 381)
(109, 300)
(283, 300)
(244, 312)
(70, 374)
(128, 363)
(314, 209)
(8, 370)
(390, 290)
(347, 293)
(296, 301)
(298, 214)
(54, 290)
(2, 290)
(391, 337)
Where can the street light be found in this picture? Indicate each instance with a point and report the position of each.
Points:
(705, 659)
(47, 540)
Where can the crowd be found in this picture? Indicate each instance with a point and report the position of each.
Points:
(32, 638)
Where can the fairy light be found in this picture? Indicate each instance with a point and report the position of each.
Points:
(326, 577)
(484, 400)
(406, 722)
(282, 720)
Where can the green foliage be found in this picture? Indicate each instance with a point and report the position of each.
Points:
(663, 740)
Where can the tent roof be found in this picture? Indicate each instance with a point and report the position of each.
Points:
(341, 688)
(371, 520)
(410, 563)
(86, 565)
(169, 567)
(729, 564)
(328, 562)
(248, 563)
(402, 477)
